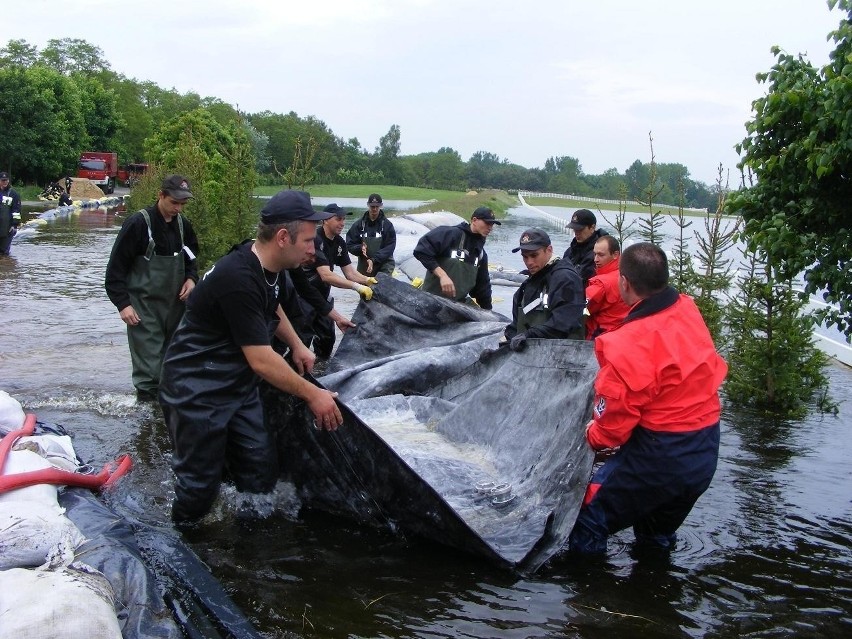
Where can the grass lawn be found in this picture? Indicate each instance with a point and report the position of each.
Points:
(459, 202)
(601, 206)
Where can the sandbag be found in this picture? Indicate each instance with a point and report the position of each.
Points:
(22, 461)
(34, 535)
(70, 603)
(11, 413)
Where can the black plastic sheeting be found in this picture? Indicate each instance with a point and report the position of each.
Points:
(162, 589)
(486, 456)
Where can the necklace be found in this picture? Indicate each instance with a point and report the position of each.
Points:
(263, 269)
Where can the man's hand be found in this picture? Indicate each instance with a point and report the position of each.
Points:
(128, 316)
(364, 291)
(325, 410)
(186, 289)
(369, 265)
(447, 287)
(341, 321)
(303, 358)
(372, 281)
(518, 343)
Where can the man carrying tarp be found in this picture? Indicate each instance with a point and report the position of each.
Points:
(603, 298)
(330, 251)
(455, 259)
(657, 401)
(549, 304)
(220, 351)
(581, 251)
(373, 240)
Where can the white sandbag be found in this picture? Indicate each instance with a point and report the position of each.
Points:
(70, 603)
(57, 449)
(34, 535)
(20, 461)
(11, 413)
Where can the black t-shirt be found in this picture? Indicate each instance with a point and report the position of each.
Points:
(330, 252)
(237, 299)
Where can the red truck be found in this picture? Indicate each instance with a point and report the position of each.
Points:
(100, 168)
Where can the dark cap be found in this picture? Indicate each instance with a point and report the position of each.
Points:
(176, 186)
(532, 240)
(4, 175)
(289, 206)
(581, 219)
(374, 199)
(486, 215)
(339, 211)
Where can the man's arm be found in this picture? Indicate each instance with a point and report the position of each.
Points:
(126, 248)
(353, 238)
(482, 289)
(270, 366)
(388, 244)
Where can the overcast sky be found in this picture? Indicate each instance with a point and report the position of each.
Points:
(523, 80)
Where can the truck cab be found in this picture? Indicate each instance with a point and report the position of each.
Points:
(100, 168)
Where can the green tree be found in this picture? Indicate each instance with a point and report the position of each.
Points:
(799, 151)
(18, 53)
(386, 158)
(43, 125)
(100, 112)
(774, 366)
(73, 55)
(219, 160)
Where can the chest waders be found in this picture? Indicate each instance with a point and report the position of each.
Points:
(154, 284)
(374, 245)
(6, 223)
(461, 272)
(534, 313)
(212, 407)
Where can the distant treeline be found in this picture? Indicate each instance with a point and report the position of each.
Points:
(65, 98)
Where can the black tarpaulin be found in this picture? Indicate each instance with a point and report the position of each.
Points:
(486, 456)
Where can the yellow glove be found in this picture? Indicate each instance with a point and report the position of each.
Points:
(372, 281)
(365, 291)
(417, 282)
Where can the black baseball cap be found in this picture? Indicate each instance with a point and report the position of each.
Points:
(532, 240)
(581, 219)
(374, 199)
(339, 211)
(176, 186)
(486, 215)
(289, 206)
(4, 175)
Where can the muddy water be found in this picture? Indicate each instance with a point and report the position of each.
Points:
(766, 553)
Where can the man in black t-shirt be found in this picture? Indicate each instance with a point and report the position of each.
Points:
(330, 252)
(220, 351)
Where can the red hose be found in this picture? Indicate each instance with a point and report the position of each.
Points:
(104, 479)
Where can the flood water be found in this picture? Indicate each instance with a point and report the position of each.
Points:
(767, 552)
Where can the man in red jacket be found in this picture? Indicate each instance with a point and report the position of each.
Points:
(657, 401)
(603, 297)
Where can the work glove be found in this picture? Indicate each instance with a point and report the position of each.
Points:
(364, 291)
(490, 353)
(518, 343)
(372, 281)
(417, 282)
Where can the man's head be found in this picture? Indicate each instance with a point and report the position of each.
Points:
(174, 194)
(288, 225)
(333, 226)
(4, 179)
(583, 224)
(536, 249)
(606, 250)
(644, 271)
(374, 205)
(482, 221)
